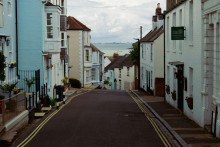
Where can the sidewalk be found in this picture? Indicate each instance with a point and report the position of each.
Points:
(190, 132)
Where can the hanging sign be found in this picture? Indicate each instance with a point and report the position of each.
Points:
(177, 33)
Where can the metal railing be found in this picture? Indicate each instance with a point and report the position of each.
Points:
(11, 107)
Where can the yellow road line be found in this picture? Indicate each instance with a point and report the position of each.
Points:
(155, 126)
(33, 134)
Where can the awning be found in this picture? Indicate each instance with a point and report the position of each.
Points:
(176, 63)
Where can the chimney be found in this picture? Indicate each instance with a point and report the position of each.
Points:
(140, 32)
(158, 10)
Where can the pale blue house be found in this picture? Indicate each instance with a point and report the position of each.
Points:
(42, 40)
(8, 38)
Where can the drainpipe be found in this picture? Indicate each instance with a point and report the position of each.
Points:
(164, 24)
(16, 23)
(83, 56)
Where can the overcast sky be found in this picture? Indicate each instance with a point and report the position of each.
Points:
(115, 20)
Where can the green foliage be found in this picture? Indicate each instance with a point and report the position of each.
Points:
(53, 102)
(29, 82)
(134, 52)
(2, 67)
(75, 83)
(8, 88)
(106, 82)
(2, 97)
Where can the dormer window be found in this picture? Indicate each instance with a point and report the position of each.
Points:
(49, 25)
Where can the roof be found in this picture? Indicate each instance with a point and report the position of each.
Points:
(119, 62)
(111, 58)
(74, 24)
(95, 49)
(175, 6)
(152, 35)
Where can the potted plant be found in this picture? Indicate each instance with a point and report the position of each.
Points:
(64, 80)
(173, 95)
(189, 100)
(167, 89)
(16, 90)
(29, 82)
(8, 88)
(12, 64)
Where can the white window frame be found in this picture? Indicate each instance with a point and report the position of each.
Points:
(2, 14)
(9, 8)
(50, 26)
(128, 71)
(87, 55)
(119, 73)
(62, 39)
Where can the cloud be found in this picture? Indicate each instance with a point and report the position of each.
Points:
(114, 21)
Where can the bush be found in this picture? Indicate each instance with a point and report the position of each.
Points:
(52, 102)
(106, 82)
(2, 97)
(75, 83)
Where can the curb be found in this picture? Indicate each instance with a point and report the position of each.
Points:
(167, 126)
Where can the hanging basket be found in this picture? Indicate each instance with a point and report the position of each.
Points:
(173, 95)
(167, 89)
(189, 101)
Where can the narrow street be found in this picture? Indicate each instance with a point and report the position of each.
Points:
(98, 118)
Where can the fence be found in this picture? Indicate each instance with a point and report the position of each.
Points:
(10, 108)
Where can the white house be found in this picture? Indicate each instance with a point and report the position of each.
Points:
(211, 65)
(97, 65)
(120, 73)
(184, 58)
(152, 57)
(8, 39)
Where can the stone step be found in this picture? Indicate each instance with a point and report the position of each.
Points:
(45, 108)
(8, 136)
(2, 130)
(39, 114)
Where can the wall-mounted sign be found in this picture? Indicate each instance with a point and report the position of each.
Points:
(177, 33)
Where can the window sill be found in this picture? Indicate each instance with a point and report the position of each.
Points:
(191, 44)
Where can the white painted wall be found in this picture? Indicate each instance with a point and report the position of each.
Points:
(187, 51)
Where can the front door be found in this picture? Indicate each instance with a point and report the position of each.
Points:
(180, 82)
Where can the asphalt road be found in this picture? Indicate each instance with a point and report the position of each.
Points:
(100, 118)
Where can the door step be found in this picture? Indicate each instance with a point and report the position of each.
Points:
(39, 114)
(45, 109)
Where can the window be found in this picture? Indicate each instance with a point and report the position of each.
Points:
(111, 74)
(9, 8)
(168, 34)
(119, 73)
(191, 21)
(151, 52)
(151, 79)
(174, 79)
(87, 55)
(180, 24)
(128, 72)
(190, 81)
(49, 25)
(174, 24)
(119, 84)
(62, 40)
(93, 74)
(1, 14)
(87, 76)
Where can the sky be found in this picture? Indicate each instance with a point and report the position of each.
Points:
(115, 20)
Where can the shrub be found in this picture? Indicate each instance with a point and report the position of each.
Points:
(75, 83)
(2, 97)
(53, 102)
(106, 82)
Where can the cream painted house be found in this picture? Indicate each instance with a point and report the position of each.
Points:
(120, 73)
(80, 52)
(152, 57)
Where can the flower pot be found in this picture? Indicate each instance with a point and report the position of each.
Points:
(190, 105)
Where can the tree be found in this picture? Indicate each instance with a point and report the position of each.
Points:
(134, 52)
(2, 67)
(29, 82)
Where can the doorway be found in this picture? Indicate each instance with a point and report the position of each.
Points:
(180, 83)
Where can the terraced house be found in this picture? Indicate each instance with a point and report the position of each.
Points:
(8, 39)
(42, 40)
